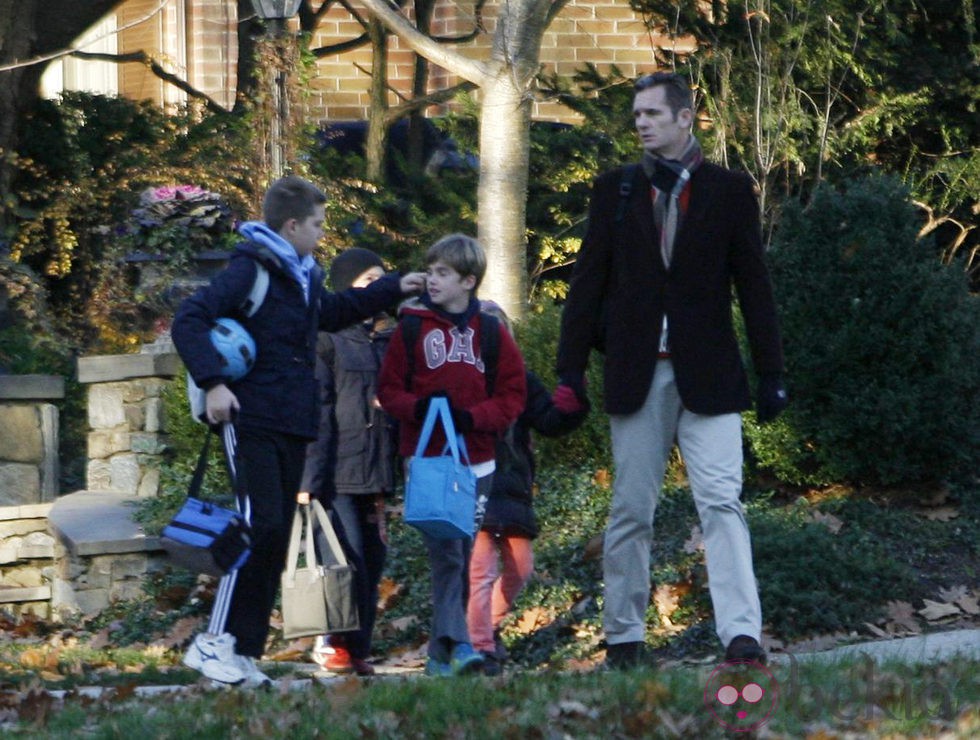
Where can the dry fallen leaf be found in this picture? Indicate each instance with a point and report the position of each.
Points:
(830, 521)
(952, 595)
(969, 603)
(180, 633)
(694, 543)
(875, 630)
(602, 478)
(593, 548)
(936, 610)
(940, 513)
(901, 613)
(532, 619)
(388, 593)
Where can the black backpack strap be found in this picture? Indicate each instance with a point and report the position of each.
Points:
(625, 190)
(411, 325)
(490, 349)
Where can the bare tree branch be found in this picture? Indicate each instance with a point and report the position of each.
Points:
(143, 58)
(340, 48)
(469, 69)
(440, 96)
(75, 50)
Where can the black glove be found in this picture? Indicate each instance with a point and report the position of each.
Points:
(462, 420)
(422, 405)
(771, 397)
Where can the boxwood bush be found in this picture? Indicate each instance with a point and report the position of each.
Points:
(881, 345)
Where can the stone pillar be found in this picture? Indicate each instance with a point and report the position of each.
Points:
(126, 435)
(29, 442)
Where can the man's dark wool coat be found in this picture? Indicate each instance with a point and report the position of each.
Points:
(620, 290)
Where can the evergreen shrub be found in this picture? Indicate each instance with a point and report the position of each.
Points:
(813, 581)
(881, 345)
(537, 336)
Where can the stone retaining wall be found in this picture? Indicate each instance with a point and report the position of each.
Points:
(29, 442)
(28, 557)
(126, 438)
(82, 551)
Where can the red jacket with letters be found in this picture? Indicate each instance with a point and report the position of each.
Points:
(447, 359)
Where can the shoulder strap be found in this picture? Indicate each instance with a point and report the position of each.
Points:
(625, 190)
(259, 289)
(194, 490)
(489, 346)
(490, 349)
(411, 326)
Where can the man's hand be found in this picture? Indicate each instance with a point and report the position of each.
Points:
(412, 282)
(220, 404)
(303, 498)
(771, 397)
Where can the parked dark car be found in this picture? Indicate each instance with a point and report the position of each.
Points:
(439, 151)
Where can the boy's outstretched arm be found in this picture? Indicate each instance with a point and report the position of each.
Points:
(340, 310)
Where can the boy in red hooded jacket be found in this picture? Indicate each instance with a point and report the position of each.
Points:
(446, 362)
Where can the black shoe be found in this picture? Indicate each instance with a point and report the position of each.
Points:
(745, 649)
(492, 665)
(622, 656)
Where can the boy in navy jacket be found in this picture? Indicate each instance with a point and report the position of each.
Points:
(446, 362)
(274, 408)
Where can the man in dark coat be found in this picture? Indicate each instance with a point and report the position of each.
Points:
(652, 287)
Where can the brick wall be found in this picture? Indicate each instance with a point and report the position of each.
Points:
(603, 32)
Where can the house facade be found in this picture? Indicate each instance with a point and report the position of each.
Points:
(197, 41)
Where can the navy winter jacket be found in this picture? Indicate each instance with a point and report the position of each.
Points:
(280, 392)
(510, 508)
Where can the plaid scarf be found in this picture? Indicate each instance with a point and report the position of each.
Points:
(668, 178)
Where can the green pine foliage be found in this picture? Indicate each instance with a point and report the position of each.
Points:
(881, 346)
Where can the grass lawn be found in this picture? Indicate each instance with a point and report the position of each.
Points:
(834, 566)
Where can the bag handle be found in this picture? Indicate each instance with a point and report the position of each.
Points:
(292, 556)
(325, 524)
(194, 490)
(439, 409)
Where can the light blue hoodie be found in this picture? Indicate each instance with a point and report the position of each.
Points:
(298, 267)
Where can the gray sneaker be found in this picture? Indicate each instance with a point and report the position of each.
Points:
(214, 656)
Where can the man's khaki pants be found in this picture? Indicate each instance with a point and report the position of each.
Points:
(712, 450)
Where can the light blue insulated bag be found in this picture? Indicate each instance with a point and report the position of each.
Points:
(440, 492)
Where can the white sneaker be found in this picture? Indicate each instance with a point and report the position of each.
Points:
(214, 656)
(253, 676)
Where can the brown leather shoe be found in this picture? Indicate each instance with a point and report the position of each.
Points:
(745, 649)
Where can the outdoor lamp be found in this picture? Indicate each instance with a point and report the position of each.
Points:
(276, 9)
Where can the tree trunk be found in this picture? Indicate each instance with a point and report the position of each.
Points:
(502, 193)
(376, 142)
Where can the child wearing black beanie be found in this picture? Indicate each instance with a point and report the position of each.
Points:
(350, 468)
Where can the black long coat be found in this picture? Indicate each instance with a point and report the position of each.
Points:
(621, 287)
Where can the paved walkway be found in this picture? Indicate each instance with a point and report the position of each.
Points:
(930, 648)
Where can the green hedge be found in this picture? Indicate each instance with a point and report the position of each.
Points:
(881, 346)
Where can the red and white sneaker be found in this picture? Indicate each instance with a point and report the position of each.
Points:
(330, 654)
(330, 657)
